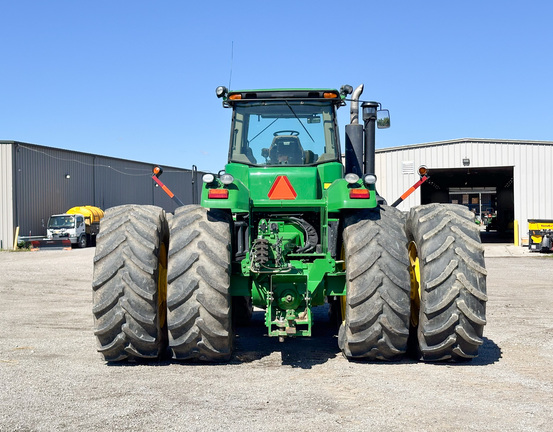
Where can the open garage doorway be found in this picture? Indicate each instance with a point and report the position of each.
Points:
(486, 191)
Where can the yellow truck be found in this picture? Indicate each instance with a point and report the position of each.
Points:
(540, 235)
(77, 226)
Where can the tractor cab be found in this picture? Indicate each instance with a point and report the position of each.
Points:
(283, 127)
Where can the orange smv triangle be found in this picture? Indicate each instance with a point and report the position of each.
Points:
(282, 189)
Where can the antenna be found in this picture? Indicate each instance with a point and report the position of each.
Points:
(231, 62)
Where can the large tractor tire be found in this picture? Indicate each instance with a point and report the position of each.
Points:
(448, 282)
(130, 282)
(198, 297)
(376, 324)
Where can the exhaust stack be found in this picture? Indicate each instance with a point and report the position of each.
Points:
(354, 107)
(354, 137)
(369, 118)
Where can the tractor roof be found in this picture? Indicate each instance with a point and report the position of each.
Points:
(284, 94)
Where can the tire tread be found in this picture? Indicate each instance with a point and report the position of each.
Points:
(125, 293)
(199, 302)
(453, 281)
(377, 301)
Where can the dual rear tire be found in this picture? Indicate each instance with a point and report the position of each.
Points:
(144, 303)
(415, 282)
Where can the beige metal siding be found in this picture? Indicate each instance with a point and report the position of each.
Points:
(531, 162)
(6, 196)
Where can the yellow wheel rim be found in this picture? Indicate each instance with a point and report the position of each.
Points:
(162, 285)
(415, 276)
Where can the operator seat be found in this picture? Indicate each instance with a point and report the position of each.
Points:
(286, 149)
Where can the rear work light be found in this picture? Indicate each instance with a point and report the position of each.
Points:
(351, 178)
(217, 194)
(226, 179)
(359, 193)
(369, 179)
(208, 178)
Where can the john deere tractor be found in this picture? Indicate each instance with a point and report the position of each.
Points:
(286, 227)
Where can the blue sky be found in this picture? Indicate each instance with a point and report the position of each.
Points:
(136, 79)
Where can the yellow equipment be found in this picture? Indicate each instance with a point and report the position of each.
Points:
(91, 214)
(540, 235)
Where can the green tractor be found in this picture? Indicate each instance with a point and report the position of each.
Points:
(287, 226)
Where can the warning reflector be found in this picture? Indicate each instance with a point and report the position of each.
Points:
(282, 189)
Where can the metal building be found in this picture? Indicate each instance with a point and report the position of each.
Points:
(37, 181)
(511, 178)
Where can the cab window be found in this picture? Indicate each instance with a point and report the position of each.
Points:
(284, 133)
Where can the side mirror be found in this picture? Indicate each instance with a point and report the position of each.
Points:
(383, 119)
(265, 153)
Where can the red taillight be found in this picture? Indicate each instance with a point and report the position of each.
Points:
(217, 194)
(359, 193)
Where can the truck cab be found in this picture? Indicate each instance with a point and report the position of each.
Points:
(66, 226)
(79, 225)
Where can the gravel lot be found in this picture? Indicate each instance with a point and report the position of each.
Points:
(52, 378)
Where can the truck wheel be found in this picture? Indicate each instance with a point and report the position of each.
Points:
(448, 282)
(376, 324)
(130, 283)
(198, 297)
(82, 241)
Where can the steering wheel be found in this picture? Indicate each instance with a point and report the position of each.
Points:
(289, 132)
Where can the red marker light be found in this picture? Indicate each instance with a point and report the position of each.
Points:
(359, 194)
(217, 194)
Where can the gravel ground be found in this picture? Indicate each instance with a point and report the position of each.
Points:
(52, 378)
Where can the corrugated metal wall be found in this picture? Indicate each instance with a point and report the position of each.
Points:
(531, 162)
(49, 180)
(41, 186)
(6, 197)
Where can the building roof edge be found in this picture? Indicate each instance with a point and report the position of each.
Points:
(464, 140)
